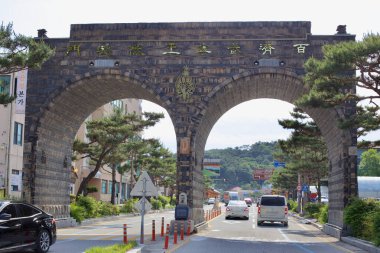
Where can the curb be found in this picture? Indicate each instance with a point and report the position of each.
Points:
(361, 244)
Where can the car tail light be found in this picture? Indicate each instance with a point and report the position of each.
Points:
(53, 221)
(259, 210)
(286, 210)
(246, 209)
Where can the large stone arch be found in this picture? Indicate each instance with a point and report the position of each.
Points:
(285, 85)
(59, 121)
(225, 63)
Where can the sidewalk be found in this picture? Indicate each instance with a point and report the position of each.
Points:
(361, 244)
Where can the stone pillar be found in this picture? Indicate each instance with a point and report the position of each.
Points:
(189, 178)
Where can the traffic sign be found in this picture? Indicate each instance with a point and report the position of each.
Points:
(139, 205)
(278, 164)
(144, 186)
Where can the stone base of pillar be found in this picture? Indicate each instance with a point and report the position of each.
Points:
(333, 230)
(197, 214)
(58, 211)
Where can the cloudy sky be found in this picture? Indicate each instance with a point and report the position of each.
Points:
(246, 123)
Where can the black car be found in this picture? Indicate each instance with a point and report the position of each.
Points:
(25, 226)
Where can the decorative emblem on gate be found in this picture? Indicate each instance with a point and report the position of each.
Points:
(184, 85)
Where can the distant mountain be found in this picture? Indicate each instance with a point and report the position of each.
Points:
(237, 163)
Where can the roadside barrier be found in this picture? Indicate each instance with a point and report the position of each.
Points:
(166, 246)
(175, 233)
(125, 239)
(162, 227)
(153, 230)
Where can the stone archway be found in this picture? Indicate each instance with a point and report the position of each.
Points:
(285, 85)
(218, 65)
(56, 130)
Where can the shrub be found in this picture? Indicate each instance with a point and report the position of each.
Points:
(128, 206)
(164, 200)
(72, 198)
(107, 209)
(324, 214)
(293, 205)
(360, 215)
(156, 204)
(313, 210)
(173, 201)
(77, 212)
(89, 204)
(376, 229)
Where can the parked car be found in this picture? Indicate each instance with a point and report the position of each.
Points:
(238, 209)
(248, 201)
(25, 226)
(211, 201)
(272, 208)
(324, 199)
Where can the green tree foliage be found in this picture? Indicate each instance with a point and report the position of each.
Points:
(305, 152)
(362, 216)
(331, 83)
(238, 163)
(105, 136)
(19, 52)
(370, 164)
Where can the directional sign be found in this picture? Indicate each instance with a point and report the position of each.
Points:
(279, 164)
(144, 186)
(139, 205)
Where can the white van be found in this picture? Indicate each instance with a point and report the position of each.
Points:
(272, 208)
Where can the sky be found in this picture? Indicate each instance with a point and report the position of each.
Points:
(245, 124)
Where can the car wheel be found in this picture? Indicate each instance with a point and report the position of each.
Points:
(285, 224)
(247, 218)
(258, 223)
(43, 241)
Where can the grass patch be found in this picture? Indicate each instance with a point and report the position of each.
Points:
(116, 248)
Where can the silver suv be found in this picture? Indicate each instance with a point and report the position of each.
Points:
(272, 208)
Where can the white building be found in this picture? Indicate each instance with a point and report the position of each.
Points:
(12, 121)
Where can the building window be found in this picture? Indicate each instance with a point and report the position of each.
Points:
(15, 172)
(117, 187)
(15, 88)
(110, 187)
(17, 135)
(104, 186)
(14, 188)
(117, 104)
(5, 81)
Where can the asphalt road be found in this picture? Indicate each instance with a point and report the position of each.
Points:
(78, 239)
(240, 236)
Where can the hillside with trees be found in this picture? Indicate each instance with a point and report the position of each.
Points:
(238, 163)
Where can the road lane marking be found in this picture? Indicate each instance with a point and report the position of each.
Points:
(284, 235)
(303, 248)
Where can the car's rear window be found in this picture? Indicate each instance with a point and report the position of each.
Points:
(273, 201)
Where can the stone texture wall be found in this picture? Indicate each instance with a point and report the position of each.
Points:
(226, 62)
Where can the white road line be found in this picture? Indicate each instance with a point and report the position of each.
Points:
(284, 235)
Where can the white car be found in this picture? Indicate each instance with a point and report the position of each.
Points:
(238, 209)
(272, 208)
(211, 201)
(324, 199)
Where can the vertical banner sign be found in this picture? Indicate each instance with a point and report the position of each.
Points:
(184, 146)
(21, 90)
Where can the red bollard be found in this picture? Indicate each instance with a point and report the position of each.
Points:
(166, 246)
(162, 227)
(153, 230)
(175, 233)
(182, 228)
(188, 227)
(125, 239)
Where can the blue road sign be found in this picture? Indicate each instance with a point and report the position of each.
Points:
(278, 164)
